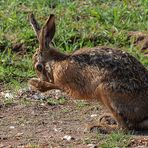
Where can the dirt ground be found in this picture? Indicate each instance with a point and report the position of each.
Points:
(30, 120)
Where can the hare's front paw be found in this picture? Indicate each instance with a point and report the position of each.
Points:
(42, 86)
(34, 83)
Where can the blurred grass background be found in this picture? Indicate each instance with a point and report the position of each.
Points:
(79, 23)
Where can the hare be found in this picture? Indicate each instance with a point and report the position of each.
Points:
(111, 76)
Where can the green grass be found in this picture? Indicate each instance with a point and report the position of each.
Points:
(59, 101)
(79, 23)
(8, 101)
(116, 139)
(80, 104)
(13, 68)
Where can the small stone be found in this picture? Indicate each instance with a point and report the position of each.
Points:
(8, 95)
(92, 146)
(68, 138)
(22, 124)
(19, 134)
(55, 129)
(23, 146)
(94, 115)
(1, 116)
(38, 97)
(42, 104)
(11, 127)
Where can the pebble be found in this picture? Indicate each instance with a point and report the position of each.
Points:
(11, 127)
(92, 146)
(43, 104)
(55, 129)
(19, 134)
(7, 95)
(38, 97)
(68, 138)
(94, 115)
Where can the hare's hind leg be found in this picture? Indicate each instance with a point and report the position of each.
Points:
(107, 119)
(106, 98)
(108, 123)
(110, 101)
(143, 125)
(105, 124)
(101, 128)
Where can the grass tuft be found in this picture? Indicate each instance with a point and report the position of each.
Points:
(116, 139)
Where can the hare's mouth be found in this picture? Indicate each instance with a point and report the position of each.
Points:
(46, 76)
(48, 72)
(49, 79)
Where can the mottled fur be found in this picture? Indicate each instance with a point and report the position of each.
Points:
(111, 76)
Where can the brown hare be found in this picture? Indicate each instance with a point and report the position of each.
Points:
(111, 76)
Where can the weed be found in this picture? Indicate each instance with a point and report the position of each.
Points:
(8, 101)
(81, 104)
(65, 110)
(25, 102)
(116, 139)
(59, 101)
(87, 141)
(33, 146)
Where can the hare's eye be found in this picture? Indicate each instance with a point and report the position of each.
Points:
(39, 67)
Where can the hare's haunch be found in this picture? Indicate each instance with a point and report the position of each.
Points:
(111, 76)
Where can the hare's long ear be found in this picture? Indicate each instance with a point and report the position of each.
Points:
(47, 32)
(34, 25)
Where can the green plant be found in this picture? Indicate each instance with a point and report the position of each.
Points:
(81, 103)
(8, 101)
(84, 23)
(52, 101)
(116, 139)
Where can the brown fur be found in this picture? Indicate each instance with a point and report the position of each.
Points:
(109, 75)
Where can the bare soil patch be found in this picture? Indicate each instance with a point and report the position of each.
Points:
(28, 122)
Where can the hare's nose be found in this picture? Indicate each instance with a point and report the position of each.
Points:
(39, 67)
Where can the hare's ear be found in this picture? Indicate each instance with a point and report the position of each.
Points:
(34, 25)
(48, 30)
